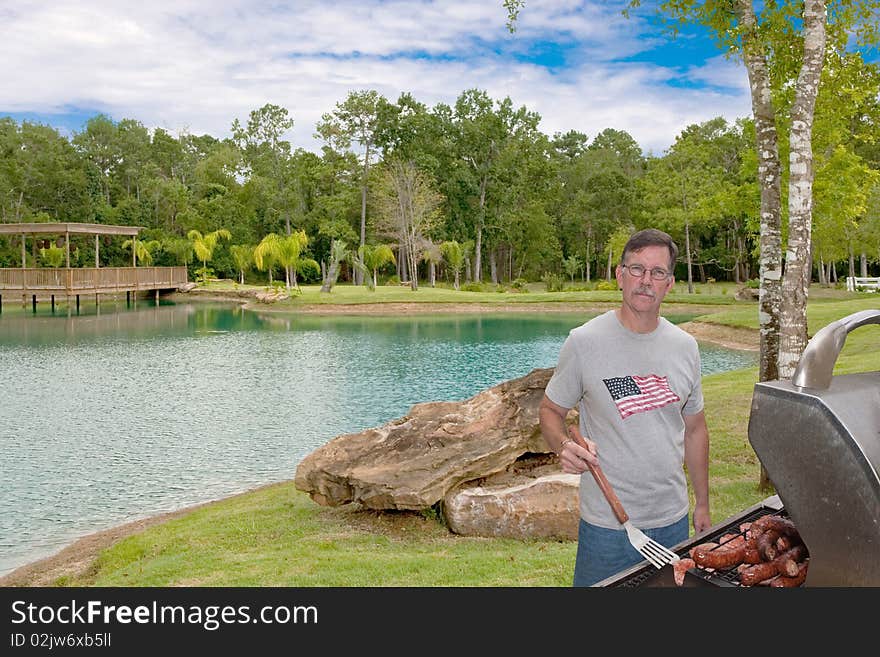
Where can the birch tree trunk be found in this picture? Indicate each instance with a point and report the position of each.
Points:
(796, 279)
(687, 248)
(478, 247)
(767, 141)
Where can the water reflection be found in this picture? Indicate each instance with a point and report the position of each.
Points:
(110, 416)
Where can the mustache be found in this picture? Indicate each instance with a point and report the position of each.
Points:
(646, 291)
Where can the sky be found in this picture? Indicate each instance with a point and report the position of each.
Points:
(196, 65)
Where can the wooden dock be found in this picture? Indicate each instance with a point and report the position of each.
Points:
(46, 282)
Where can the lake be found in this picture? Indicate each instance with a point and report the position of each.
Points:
(122, 413)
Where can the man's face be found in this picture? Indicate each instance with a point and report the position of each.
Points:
(644, 293)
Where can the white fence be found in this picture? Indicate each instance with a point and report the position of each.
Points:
(866, 283)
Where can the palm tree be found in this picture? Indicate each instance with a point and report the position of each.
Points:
(53, 256)
(432, 255)
(180, 247)
(243, 257)
(143, 249)
(374, 257)
(266, 254)
(454, 254)
(338, 253)
(283, 250)
(204, 246)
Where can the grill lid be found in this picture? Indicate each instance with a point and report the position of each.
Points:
(818, 437)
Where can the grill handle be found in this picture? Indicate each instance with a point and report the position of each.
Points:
(815, 368)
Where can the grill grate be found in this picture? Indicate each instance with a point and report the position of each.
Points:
(648, 575)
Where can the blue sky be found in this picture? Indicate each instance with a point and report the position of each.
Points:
(195, 65)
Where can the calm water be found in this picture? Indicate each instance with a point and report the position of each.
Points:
(119, 414)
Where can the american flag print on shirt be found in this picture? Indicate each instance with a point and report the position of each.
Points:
(637, 394)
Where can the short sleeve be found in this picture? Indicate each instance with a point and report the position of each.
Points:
(565, 387)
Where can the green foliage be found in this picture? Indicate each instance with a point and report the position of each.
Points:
(203, 274)
(52, 256)
(519, 283)
(309, 270)
(753, 283)
(474, 287)
(606, 285)
(553, 282)
(393, 280)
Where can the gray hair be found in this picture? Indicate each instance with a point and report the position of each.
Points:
(650, 237)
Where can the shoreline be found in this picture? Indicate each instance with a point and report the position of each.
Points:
(78, 558)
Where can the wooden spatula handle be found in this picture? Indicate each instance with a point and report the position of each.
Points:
(602, 480)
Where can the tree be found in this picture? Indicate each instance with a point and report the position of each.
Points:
(204, 246)
(52, 256)
(374, 257)
(266, 254)
(283, 250)
(409, 207)
(100, 145)
(431, 254)
(268, 155)
(454, 254)
(784, 48)
(355, 119)
(179, 247)
(143, 249)
(481, 133)
(572, 265)
(338, 253)
(243, 257)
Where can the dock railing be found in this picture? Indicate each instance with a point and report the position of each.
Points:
(94, 280)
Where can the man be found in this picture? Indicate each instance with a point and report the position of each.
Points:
(636, 379)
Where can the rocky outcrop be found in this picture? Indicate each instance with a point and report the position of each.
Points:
(536, 501)
(414, 462)
(271, 296)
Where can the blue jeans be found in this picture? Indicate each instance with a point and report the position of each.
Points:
(604, 552)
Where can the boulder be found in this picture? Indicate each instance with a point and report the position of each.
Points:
(272, 296)
(414, 462)
(542, 503)
(187, 287)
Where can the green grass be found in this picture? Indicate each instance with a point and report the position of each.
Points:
(347, 294)
(276, 536)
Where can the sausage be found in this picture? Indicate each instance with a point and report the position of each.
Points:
(758, 573)
(767, 544)
(783, 543)
(787, 562)
(752, 555)
(724, 556)
(796, 580)
(781, 525)
(785, 565)
(679, 569)
(701, 549)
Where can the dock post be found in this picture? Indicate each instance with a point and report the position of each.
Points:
(34, 302)
(53, 302)
(77, 304)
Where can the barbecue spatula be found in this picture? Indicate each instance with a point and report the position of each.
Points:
(653, 551)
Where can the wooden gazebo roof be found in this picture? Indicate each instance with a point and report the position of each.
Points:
(62, 228)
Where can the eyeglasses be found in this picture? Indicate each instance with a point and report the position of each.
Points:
(637, 271)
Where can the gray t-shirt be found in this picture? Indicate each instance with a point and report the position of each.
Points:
(633, 389)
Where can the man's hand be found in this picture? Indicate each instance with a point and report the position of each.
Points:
(577, 452)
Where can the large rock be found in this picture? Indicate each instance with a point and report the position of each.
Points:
(413, 462)
(533, 502)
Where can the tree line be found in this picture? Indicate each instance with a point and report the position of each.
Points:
(470, 191)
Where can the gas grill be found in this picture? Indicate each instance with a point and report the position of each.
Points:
(818, 437)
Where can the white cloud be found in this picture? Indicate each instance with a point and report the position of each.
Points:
(197, 65)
